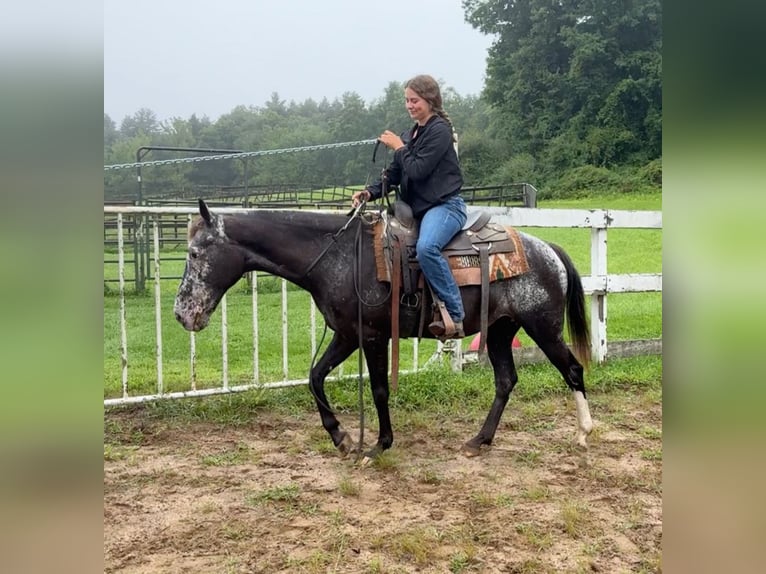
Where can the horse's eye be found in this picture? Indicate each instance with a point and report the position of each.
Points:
(194, 254)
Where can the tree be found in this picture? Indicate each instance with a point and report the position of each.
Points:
(389, 111)
(277, 125)
(575, 81)
(122, 183)
(197, 125)
(110, 133)
(143, 122)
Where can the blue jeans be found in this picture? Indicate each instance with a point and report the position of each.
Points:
(437, 228)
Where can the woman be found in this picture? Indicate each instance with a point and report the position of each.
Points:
(426, 169)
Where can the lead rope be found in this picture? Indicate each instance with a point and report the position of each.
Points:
(357, 278)
(359, 303)
(353, 214)
(361, 341)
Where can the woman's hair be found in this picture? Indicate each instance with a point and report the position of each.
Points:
(428, 89)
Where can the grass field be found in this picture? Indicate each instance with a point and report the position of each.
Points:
(631, 316)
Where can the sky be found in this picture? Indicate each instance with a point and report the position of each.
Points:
(184, 57)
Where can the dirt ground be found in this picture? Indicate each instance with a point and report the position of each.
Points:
(273, 496)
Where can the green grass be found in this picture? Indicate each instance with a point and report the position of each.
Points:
(631, 315)
(239, 455)
(629, 201)
(576, 518)
(286, 494)
(348, 488)
(428, 396)
(424, 397)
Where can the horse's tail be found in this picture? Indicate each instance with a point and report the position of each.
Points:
(577, 321)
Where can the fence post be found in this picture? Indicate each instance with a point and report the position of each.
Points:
(530, 195)
(157, 302)
(598, 299)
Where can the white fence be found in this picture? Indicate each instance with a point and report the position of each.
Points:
(597, 284)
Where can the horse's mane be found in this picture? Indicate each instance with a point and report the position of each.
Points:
(333, 221)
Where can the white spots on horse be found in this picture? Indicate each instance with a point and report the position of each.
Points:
(336, 275)
(194, 300)
(528, 293)
(551, 260)
(219, 229)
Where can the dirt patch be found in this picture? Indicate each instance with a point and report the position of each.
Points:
(274, 497)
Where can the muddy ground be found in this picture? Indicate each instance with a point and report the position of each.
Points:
(273, 495)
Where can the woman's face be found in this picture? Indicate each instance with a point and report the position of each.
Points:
(417, 107)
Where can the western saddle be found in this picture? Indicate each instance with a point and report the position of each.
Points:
(478, 239)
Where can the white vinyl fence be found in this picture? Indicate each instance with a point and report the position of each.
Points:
(598, 283)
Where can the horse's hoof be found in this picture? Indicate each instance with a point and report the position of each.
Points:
(470, 450)
(346, 445)
(582, 440)
(374, 452)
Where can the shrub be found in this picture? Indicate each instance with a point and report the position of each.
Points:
(585, 180)
(520, 168)
(651, 173)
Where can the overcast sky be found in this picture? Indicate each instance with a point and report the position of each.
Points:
(184, 57)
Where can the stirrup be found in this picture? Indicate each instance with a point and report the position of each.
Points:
(439, 331)
(442, 318)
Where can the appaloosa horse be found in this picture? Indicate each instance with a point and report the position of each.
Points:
(338, 269)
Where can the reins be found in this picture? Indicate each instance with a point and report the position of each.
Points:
(360, 303)
(354, 214)
(360, 351)
(334, 238)
(357, 278)
(357, 275)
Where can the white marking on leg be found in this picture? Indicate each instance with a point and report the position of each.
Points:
(584, 422)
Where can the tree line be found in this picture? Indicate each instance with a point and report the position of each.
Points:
(572, 99)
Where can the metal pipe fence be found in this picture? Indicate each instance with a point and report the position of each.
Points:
(598, 283)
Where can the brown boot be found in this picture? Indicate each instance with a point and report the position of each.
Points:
(459, 333)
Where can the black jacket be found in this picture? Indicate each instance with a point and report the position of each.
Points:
(426, 168)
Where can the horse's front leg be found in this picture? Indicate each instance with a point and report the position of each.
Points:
(337, 351)
(376, 353)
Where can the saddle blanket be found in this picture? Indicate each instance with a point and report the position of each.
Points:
(465, 268)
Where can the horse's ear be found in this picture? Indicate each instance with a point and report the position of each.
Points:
(205, 212)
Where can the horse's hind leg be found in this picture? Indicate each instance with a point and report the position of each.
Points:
(552, 344)
(337, 351)
(499, 338)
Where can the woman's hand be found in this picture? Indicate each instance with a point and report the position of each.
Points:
(391, 140)
(360, 196)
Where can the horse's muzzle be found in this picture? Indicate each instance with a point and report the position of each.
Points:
(191, 319)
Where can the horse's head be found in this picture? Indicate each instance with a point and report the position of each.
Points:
(213, 264)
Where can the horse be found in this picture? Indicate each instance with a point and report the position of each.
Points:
(331, 256)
